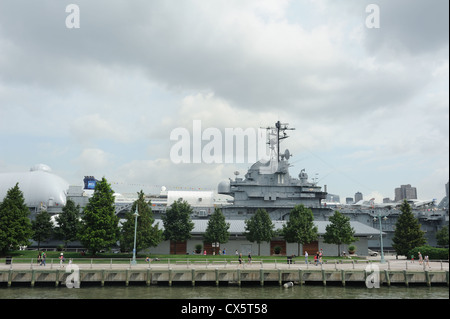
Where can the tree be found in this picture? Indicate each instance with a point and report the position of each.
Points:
(442, 236)
(407, 234)
(217, 229)
(15, 226)
(177, 222)
(300, 227)
(100, 223)
(42, 227)
(259, 228)
(339, 231)
(147, 234)
(68, 223)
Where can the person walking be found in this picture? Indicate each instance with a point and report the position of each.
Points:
(420, 258)
(306, 257)
(44, 255)
(249, 258)
(61, 260)
(427, 261)
(240, 259)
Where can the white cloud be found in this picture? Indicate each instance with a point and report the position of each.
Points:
(104, 98)
(91, 127)
(93, 160)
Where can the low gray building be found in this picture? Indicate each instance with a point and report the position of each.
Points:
(238, 242)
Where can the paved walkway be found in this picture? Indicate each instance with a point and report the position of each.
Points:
(390, 264)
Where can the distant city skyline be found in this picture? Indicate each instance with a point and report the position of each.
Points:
(403, 192)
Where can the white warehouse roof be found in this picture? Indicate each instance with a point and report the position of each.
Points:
(237, 226)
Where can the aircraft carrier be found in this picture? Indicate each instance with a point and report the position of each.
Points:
(270, 186)
(267, 184)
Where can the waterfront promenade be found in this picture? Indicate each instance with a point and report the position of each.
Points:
(170, 271)
(391, 263)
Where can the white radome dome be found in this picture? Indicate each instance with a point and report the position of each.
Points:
(39, 186)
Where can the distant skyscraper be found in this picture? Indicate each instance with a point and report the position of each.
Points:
(405, 192)
(349, 200)
(358, 197)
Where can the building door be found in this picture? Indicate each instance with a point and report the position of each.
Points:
(178, 247)
(211, 247)
(311, 248)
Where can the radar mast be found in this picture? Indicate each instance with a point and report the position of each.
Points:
(279, 128)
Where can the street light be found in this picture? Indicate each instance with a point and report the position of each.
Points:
(382, 261)
(133, 262)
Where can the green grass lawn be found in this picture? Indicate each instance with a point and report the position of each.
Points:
(25, 256)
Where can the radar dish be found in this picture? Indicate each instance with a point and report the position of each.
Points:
(287, 155)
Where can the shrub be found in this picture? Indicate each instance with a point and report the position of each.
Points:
(432, 252)
(351, 249)
(198, 248)
(277, 250)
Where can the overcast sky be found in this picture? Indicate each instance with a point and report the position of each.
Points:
(370, 106)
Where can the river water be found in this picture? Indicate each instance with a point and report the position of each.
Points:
(225, 292)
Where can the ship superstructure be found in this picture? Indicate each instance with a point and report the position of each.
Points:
(268, 184)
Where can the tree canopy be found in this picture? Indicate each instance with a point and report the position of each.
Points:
(407, 234)
(217, 229)
(259, 228)
(15, 226)
(147, 234)
(100, 223)
(339, 231)
(177, 222)
(300, 227)
(442, 236)
(42, 227)
(68, 223)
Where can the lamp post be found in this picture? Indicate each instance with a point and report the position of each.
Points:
(133, 262)
(382, 261)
